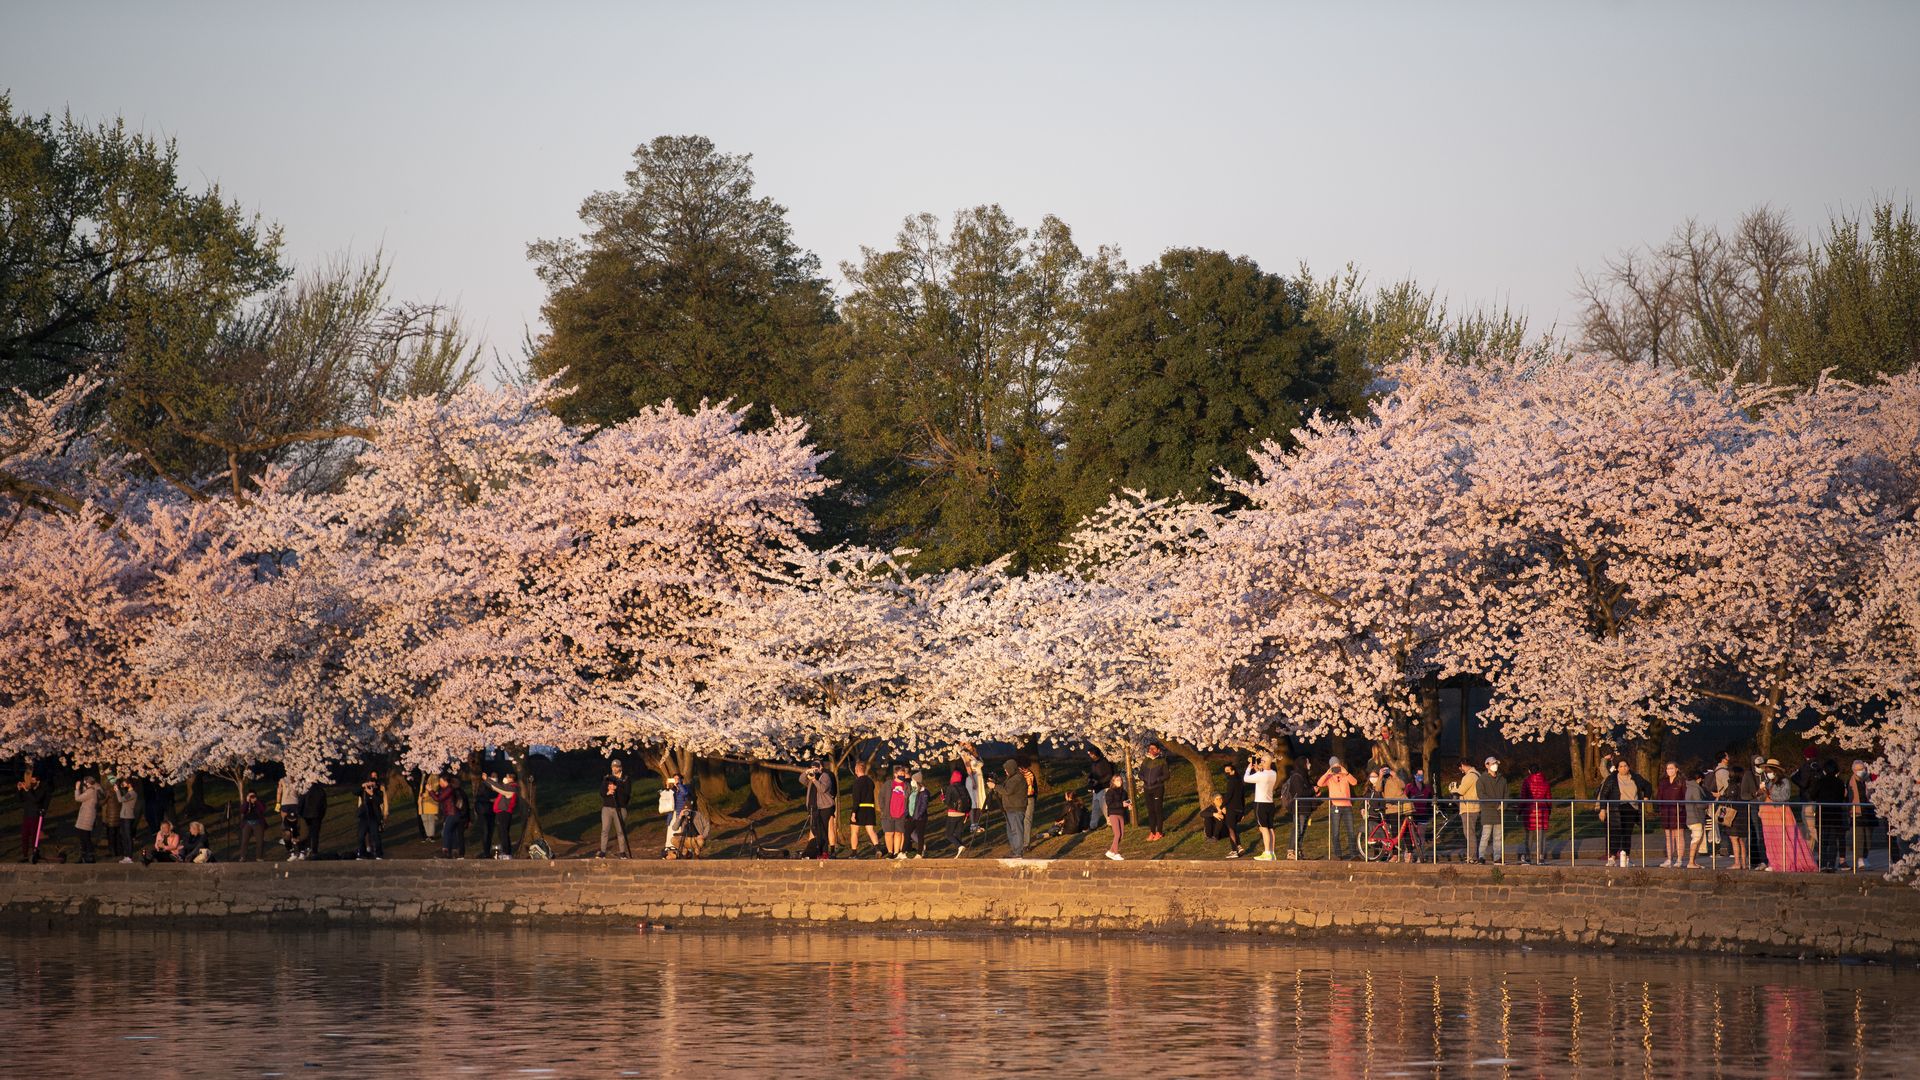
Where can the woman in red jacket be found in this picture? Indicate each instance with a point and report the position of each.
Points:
(1538, 793)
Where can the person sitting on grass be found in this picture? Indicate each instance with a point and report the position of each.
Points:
(166, 844)
(195, 848)
(1220, 825)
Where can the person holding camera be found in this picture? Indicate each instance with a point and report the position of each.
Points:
(370, 814)
(616, 793)
(821, 799)
(1261, 777)
(1342, 835)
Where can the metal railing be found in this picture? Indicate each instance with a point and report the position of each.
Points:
(1712, 833)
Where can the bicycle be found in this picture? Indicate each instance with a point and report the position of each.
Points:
(1394, 834)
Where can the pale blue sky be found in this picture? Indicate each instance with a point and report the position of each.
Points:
(1491, 150)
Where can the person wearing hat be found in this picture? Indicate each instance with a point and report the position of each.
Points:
(1467, 791)
(1493, 813)
(959, 804)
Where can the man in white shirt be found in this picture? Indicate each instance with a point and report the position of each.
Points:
(1261, 776)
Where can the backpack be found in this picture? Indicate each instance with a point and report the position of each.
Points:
(538, 849)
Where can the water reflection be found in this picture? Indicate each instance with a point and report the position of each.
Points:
(617, 1002)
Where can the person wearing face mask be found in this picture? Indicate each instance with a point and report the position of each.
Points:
(1420, 794)
(1493, 809)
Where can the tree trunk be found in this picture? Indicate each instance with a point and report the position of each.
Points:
(1763, 734)
(1577, 758)
(713, 787)
(529, 794)
(768, 797)
(1429, 727)
(1202, 770)
(1133, 789)
(1649, 752)
(196, 796)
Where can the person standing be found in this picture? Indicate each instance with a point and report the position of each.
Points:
(129, 805)
(1420, 795)
(506, 799)
(960, 810)
(1233, 806)
(1829, 796)
(1116, 805)
(86, 798)
(313, 812)
(679, 812)
(1493, 824)
(1398, 812)
(1342, 840)
(370, 814)
(427, 805)
(1696, 817)
(455, 812)
(1620, 798)
(865, 808)
(1153, 787)
(918, 798)
(1537, 794)
(1099, 772)
(482, 803)
(1467, 791)
(820, 811)
(616, 793)
(1261, 778)
(895, 802)
(253, 828)
(1670, 800)
(977, 787)
(286, 796)
(1033, 790)
(1861, 817)
(1013, 803)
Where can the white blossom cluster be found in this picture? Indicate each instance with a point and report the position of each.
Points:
(1606, 545)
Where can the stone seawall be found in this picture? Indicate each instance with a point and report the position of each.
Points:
(1753, 913)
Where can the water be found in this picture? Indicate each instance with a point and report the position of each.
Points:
(509, 1003)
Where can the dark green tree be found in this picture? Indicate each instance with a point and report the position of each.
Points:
(1192, 362)
(1856, 309)
(951, 344)
(108, 265)
(686, 286)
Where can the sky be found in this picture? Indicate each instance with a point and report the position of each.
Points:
(1490, 150)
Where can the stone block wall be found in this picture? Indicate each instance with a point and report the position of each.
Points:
(1735, 912)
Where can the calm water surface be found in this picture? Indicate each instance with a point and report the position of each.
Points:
(621, 1003)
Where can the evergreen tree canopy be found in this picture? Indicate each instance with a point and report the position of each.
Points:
(950, 346)
(686, 286)
(1190, 364)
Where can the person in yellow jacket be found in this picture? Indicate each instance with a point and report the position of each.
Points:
(1467, 790)
(429, 807)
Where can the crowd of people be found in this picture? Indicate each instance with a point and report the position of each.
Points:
(1729, 814)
